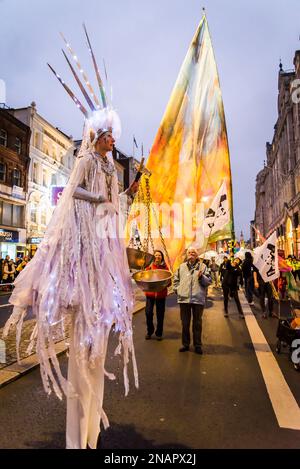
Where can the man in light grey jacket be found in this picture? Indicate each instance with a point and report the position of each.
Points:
(190, 284)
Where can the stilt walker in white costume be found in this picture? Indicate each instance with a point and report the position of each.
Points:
(80, 276)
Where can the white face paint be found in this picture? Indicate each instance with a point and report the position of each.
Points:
(105, 143)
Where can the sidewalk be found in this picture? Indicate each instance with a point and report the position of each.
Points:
(11, 370)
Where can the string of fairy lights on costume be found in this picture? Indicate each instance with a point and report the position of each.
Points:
(70, 93)
(84, 76)
(88, 99)
(100, 84)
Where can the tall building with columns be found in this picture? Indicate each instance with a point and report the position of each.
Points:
(277, 196)
(51, 161)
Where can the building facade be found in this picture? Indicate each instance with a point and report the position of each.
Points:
(14, 164)
(126, 166)
(51, 161)
(277, 198)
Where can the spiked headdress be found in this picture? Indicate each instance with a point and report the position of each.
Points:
(101, 117)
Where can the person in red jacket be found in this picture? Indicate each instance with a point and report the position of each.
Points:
(156, 298)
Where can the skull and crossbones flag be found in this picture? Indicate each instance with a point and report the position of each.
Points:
(266, 259)
(218, 214)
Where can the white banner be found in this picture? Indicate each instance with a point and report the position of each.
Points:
(266, 259)
(218, 214)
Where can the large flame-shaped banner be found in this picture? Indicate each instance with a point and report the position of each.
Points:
(189, 160)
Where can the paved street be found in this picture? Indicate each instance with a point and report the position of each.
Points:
(218, 400)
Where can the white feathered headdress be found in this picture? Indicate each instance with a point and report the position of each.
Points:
(102, 117)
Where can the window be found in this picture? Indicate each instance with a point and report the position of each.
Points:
(17, 215)
(3, 137)
(46, 148)
(54, 153)
(16, 180)
(45, 178)
(35, 173)
(6, 214)
(37, 140)
(2, 172)
(53, 180)
(44, 216)
(33, 213)
(18, 145)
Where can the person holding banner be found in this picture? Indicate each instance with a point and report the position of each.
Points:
(264, 290)
(232, 278)
(266, 269)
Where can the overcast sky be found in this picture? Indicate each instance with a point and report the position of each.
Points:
(144, 43)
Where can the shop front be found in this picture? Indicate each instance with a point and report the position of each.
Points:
(10, 243)
(33, 244)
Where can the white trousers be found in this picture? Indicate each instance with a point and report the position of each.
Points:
(83, 417)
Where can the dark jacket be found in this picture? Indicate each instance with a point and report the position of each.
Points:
(247, 268)
(232, 277)
(222, 270)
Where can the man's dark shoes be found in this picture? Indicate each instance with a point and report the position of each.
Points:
(184, 349)
(198, 350)
(148, 336)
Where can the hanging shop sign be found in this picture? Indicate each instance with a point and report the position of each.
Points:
(34, 240)
(9, 236)
(56, 192)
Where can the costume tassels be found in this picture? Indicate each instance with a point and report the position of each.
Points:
(16, 320)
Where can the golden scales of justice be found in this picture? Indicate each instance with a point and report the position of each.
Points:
(139, 257)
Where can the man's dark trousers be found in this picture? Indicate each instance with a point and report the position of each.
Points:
(186, 310)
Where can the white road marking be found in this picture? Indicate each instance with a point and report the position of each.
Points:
(284, 404)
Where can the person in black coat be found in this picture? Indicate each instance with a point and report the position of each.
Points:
(222, 269)
(264, 289)
(248, 268)
(230, 285)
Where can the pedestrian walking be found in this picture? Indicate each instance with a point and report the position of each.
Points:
(1, 269)
(22, 264)
(230, 285)
(222, 269)
(9, 271)
(190, 284)
(264, 290)
(248, 269)
(214, 269)
(157, 299)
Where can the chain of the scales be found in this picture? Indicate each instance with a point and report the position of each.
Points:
(147, 201)
(135, 239)
(148, 222)
(144, 200)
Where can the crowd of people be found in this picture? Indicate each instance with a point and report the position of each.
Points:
(10, 268)
(190, 284)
